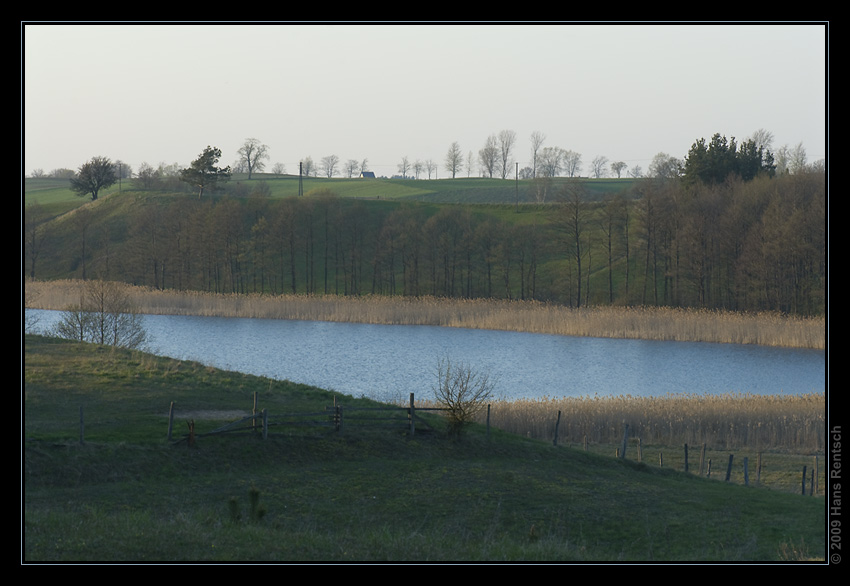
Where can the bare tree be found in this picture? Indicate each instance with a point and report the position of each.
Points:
(404, 167)
(463, 391)
(664, 166)
(507, 140)
(251, 155)
(430, 167)
(537, 139)
(762, 138)
(598, 166)
(489, 156)
(572, 163)
(329, 164)
(797, 159)
(454, 159)
(352, 166)
(308, 167)
(104, 316)
(550, 162)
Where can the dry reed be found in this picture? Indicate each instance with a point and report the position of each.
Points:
(769, 329)
(793, 423)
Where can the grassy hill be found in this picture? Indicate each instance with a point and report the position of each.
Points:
(312, 494)
(464, 190)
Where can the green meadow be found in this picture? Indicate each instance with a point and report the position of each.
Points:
(124, 493)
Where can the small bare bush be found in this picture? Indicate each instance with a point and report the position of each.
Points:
(463, 391)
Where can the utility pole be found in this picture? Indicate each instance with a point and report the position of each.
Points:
(300, 180)
(516, 183)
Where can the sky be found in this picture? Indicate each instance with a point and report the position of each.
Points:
(161, 93)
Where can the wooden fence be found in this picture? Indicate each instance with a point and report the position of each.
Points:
(336, 417)
(339, 417)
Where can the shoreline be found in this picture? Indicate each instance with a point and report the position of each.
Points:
(672, 324)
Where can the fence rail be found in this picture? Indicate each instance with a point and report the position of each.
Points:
(336, 417)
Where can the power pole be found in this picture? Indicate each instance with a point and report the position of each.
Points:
(300, 180)
(516, 183)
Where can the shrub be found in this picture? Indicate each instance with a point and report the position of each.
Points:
(463, 391)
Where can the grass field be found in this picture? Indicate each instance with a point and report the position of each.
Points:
(125, 494)
(47, 191)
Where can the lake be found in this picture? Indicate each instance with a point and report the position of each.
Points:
(389, 362)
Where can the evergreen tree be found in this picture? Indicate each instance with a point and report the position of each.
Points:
(203, 173)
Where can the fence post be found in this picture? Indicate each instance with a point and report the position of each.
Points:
(254, 413)
(265, 424)
(170, 420)
(804, 480)
(686, 457)
(746, 472)
(702, 460)
(625, 440)
(640, 450)
(557, 423)
(729, 468)
(411, 414)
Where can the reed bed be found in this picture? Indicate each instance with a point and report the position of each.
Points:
(769, 329)
(792, 423)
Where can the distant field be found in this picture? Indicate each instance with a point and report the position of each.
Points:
(466, 190)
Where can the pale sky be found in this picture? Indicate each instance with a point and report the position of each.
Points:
(161, 93)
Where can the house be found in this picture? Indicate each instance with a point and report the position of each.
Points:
(367, 175)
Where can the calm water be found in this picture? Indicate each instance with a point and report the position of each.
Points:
(389, 362)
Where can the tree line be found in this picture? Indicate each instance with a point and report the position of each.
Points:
(733, 244)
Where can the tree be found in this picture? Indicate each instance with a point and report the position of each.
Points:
(454, 159)
(537, 139)
(203, 173)
(507, 139)
(97, 174)
(104, 316)
(308, 167)
(618, 167)
(147, 176)
(572, 221)
(35, 232)
(352, 166)
(251, 155)
(714, 162)
(489, 156)
(404, 167)
(572, 163)
(550, 162)
(430, 167)
(664, 166)
(329, 164)
(463, 391)
(598, 166)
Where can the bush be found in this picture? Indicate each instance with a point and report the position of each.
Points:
(463, 392)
